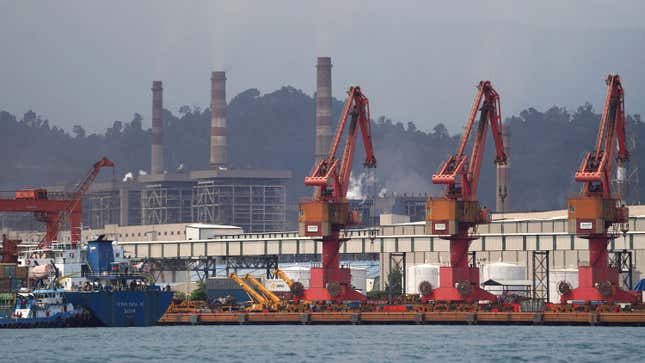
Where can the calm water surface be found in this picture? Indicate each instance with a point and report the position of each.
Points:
(324, 344)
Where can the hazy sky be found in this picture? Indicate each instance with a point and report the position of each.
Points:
(93, 62)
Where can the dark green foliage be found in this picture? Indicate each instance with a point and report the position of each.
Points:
(395, 281)
(276, 131)
(199, 293)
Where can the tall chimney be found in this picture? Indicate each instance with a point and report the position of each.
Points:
(156, 154)
(503, 200)
(323, 107)
(218, 119)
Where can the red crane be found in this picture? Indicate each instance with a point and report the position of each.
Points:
(596, 209)
(328, 212)
(458, 210)
(55, 213)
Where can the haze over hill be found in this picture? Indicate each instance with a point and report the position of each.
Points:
(80, 62)
(276, 131)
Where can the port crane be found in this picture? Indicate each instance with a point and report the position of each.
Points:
(328, 212)
(54, 212)
(457, 211)
(64, 215)
(594, 213)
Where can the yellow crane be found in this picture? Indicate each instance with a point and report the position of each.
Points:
(259, 301)
(283, 276)
(296, 287)
(274, 300)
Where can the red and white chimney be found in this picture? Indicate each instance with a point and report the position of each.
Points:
(323, 107)
(156, 154)
(218, 120)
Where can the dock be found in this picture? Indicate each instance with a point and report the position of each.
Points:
(430, 318)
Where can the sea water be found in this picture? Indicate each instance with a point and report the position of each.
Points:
(360, 343)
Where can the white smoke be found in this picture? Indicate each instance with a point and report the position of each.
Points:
(382, 193)
(355, 190)
(142, 172)
(128, 176)
(359, 186)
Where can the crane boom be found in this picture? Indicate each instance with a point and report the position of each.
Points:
(330, 173)
(597, 166)
(259, 299)
(273, 298)
(458, 165)
(63, 216)
(283, 276)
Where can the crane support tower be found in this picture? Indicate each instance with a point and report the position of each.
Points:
(55, 213)
(328, 212)
(597, 213)
(453, 215)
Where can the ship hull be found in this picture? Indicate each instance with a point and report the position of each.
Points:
(60, 320)
(123, 308)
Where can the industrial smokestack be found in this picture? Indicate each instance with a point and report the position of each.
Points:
(218, 120)
(156, 154)
(503, 200)
(323, 107)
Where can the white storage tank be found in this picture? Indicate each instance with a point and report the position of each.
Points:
(502, 272)
(359, 278)
(569, 275)
(298, 273)
(416, 274)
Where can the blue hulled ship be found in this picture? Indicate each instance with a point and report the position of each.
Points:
(115, 293)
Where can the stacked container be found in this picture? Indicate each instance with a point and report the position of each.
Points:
(11, 277)
(11, 280)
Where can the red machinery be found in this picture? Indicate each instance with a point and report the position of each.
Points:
(458, 210)
(593, 212)
(328, 212)
(55, 213)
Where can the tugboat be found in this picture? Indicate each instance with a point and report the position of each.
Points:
(116, 293)
(42, 308)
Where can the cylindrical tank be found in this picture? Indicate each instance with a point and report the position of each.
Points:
(569, 275)
(416, 274)
(502, 271)
(359, 278)
(298, 273)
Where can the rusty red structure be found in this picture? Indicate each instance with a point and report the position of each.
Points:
(328, 212)
(55, 212)
(9, 249)
(455, 214)
(596, 211)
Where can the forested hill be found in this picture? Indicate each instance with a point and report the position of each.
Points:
(276, 131)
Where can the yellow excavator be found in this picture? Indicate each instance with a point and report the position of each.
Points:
(260, 302)
(295, 286)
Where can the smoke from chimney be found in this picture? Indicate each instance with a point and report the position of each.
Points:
(323, 107)
(218, 120)
(156, 153)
